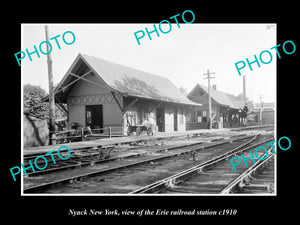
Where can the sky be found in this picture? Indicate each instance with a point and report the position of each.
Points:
(183, 55)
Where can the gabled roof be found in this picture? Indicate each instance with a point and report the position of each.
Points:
(220, 97)
(129, 81)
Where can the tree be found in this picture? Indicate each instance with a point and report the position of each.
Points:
(32, 104)
(183, 90)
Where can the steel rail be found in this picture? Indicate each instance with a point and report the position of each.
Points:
(246, 174)
(103, 171)
(74, 164)
(253, 127)
(183, 175)
(34, 154)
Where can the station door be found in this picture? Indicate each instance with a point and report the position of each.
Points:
(160, 119)
(94, 116)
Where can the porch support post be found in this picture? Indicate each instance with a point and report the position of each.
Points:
(155, 106)
(118, 103)
(122, 114)
(132, 103)
(174, 109)
(61, 106)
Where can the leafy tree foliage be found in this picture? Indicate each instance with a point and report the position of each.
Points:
(32, 104)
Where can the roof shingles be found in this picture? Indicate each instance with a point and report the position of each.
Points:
(221, 97)
(135, 82)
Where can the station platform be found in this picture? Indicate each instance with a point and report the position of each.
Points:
(100, 143)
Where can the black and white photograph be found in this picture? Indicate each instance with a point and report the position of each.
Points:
(182, 113)
(129, 114)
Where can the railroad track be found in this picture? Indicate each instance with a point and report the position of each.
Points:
(256, 180)
(215, 176)
(96, 176)
(97, 155)
(267, 127)
(79, 158)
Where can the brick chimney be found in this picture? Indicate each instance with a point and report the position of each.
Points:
(244, 88)
(215, 86)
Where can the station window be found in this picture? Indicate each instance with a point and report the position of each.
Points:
(199, 119)
(88, 117)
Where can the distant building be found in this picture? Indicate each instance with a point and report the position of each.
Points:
(267, 112)
(227, 110)
(99, 93)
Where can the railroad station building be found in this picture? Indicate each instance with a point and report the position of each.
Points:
(264, 114)
(226, 109)
(99, 93)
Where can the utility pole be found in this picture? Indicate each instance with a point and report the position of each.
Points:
(209, 96)
(244, 88)
(51, 94)
(260, 110)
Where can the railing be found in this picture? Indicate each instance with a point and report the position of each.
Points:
(84, 134)
(109, 131)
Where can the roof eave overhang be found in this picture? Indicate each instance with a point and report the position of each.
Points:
(161, 99)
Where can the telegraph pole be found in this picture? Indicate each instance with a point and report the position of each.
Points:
(209, 96)
(260, 110)
(51, 93)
